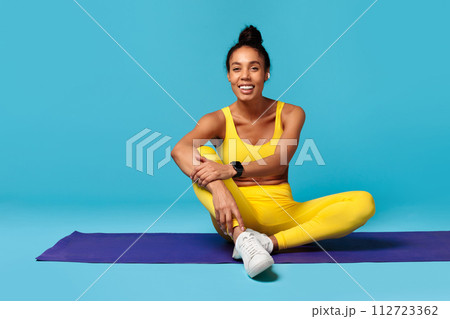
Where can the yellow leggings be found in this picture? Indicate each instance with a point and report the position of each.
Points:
(270, 209)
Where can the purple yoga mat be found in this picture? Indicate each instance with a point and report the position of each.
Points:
(210, 248)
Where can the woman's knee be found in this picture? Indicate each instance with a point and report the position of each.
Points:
(209, 153)
(205, 149)
(365, 204)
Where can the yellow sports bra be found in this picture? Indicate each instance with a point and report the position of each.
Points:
(235, 149)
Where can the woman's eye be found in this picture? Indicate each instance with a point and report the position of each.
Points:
(253, 68)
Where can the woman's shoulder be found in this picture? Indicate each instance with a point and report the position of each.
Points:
(215, 117)
(291, 112)
(292, 109)
(215, 122)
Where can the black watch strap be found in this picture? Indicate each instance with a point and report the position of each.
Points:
(238, 168)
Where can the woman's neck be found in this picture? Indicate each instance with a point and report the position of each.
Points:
(253, 109)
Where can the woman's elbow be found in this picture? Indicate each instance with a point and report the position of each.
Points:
(179, 151)
(174, 152)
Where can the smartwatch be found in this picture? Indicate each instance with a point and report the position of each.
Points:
(238, 168)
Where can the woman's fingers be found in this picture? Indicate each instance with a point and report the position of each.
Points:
(207, 177)
(218, 218)
(230, 224)
(225, 210)
(223, 219)
(238, 216)
(197, 171)
(196, 176)
(200, 176)
(225, 222)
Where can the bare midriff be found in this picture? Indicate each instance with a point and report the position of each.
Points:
(265, 180)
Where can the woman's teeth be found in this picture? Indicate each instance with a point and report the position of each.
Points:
(246, 87)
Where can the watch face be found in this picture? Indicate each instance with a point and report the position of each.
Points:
(238, 167)
(236, 164)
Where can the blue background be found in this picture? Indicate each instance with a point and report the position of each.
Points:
(377, 108)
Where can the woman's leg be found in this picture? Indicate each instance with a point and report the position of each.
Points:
(331, 216)
(245, 208)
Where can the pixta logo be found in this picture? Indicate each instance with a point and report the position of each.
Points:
(233, 145)
(143, 148)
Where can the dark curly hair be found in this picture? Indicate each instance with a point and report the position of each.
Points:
(251, 37)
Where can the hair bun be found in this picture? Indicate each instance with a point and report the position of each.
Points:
(250, 35)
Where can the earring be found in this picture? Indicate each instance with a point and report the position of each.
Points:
(268, 75)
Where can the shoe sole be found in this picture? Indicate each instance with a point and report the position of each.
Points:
(261, 267)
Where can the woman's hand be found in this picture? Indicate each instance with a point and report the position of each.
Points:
(209, 171)
(225, 208)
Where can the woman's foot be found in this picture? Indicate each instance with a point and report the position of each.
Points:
(256, 259)
(265, 241)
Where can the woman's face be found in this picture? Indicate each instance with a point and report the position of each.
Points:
(247, 74)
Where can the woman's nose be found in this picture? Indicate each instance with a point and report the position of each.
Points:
(245, 74)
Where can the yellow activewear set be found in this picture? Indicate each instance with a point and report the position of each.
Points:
(270, 209)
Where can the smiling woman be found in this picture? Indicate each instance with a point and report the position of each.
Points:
(244, 182)
(244, 60)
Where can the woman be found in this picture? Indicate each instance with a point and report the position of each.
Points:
(245, 184)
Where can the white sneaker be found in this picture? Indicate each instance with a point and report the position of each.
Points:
(256, 259)
(263, 239)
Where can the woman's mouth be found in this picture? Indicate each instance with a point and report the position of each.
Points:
(246, 89)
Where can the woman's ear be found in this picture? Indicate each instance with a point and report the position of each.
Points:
(267, 74)
(228, 76)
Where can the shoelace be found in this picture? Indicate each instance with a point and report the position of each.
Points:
(249, 245)
(264, 238)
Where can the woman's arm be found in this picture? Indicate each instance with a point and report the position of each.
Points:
(277, 163)
(185, 151)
